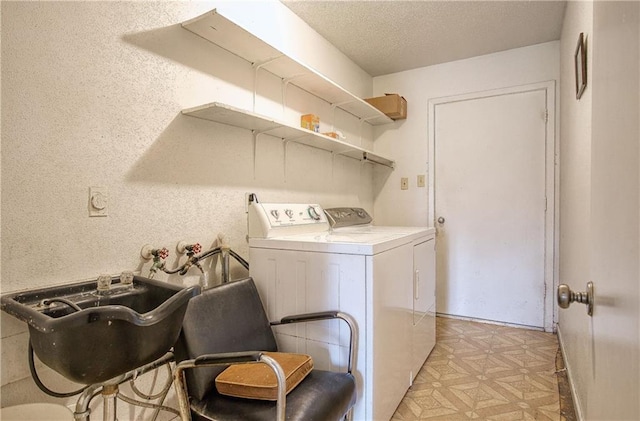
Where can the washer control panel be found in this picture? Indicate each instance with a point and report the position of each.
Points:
(277, 219)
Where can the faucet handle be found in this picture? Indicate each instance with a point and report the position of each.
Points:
(162, 253)
(103, 283)
(126, 277)
(183, 248)
(149, 252)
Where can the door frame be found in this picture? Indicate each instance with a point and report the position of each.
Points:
(551, 237)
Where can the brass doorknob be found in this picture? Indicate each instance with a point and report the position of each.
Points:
(566, 297)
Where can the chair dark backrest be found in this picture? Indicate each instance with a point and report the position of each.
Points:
(226, 318)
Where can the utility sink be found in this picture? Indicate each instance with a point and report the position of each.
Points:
(92, 336)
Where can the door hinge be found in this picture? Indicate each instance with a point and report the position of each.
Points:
(545, 203)
(546, 116)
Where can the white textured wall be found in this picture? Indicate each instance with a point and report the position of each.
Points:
(92, 94)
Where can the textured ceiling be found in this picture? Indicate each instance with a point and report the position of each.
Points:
(385, 37)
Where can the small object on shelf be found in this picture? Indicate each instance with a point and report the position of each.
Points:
(310, 122)
(393, 106)
(335, 135)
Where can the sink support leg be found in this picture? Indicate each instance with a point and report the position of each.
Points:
(110, 389)
(109, 395)
(82, 411)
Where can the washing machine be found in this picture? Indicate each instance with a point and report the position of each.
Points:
(304, 259)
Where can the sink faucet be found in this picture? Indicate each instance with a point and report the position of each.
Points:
(158, 260)
(192, 259)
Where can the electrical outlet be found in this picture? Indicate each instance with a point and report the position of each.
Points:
(404, 183)
(421, 182)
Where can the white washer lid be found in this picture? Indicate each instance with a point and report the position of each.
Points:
(36, 412)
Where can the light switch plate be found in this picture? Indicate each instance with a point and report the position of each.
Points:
(98, 201)
(421, 182)
(404, 183)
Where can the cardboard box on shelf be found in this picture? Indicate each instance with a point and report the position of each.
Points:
(393, 106)
(310, 122)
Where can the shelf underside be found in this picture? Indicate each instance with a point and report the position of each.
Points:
(226, 114)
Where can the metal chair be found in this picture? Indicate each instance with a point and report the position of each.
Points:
(227, 324)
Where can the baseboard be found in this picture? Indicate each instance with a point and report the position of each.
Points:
(490, 322)
(576, 400)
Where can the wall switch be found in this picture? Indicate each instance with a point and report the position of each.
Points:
(404, 183)
(98, 201)
(421, 180)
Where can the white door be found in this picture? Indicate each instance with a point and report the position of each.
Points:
(603, 351)
(490, 196)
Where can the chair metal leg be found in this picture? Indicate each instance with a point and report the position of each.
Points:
(181, 391)
(282, 386)
(231, 358)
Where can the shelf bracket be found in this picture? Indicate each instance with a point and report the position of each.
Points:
(333, 153)
(256, 134)
(333, 112)
(333, 166)
(344, 151)
(285, 84)
(361, 160)
(341, 153)
(285, 142)
(256, 68)
(362, 121)
(255, 143)
(295, 139)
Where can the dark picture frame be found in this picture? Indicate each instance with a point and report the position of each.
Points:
(580, 59)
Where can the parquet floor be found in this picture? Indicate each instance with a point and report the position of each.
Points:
(481, 371)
